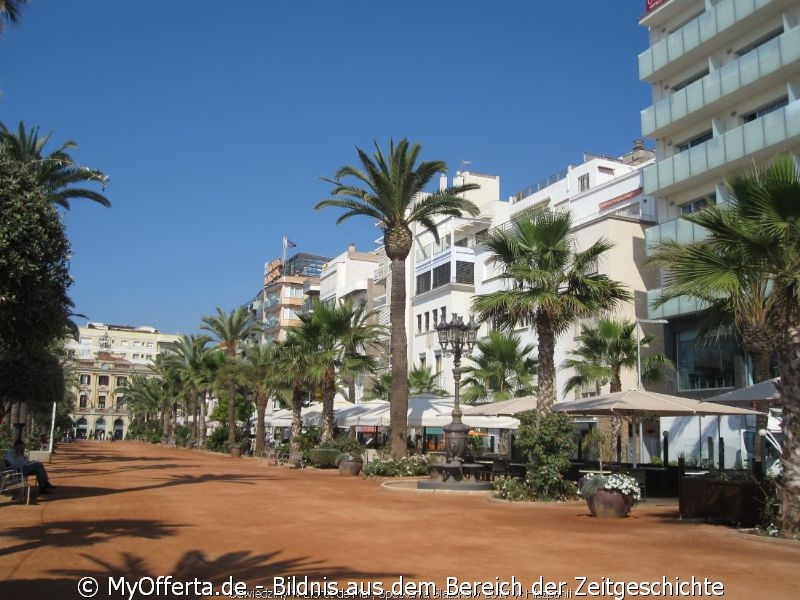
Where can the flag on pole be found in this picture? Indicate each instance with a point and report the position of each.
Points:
(287, 243)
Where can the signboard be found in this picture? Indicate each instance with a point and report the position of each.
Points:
(650, 5)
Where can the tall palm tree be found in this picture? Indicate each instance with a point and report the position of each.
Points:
(339, 334)
(760, 229)
(57, 172)
(10, 11)
(187, 354)
(605, 350)
(231, 330)
(551, 283)
(262, 376)
(502, 370)
(294, 357)
(390, 190)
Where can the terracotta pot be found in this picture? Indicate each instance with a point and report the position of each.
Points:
(350, 467)
(608, 505)
(235, 451)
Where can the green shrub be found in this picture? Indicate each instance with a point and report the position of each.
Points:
(549, 447)
(408, 466)
(217, 439)
(182, 433)
(511, 488)
(323, 458)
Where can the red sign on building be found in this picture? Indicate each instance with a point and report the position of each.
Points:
(653, 4)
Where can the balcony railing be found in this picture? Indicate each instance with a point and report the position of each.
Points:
(769, 131)
(752, 67)
(713, 22)
(679, 230)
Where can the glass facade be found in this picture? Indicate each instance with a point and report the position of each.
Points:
(704, 365)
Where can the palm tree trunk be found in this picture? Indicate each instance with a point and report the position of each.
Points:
(195, 410)
(297, 418)
(328, 394)
(547, 370)
(261, 410)
(232, 411)
(789, 387)
(202, 427)
(398, 411)
(616, 380)
(351, 389)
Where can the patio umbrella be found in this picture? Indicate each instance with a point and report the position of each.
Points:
(512, 406)
(764, 391)
(634, 405)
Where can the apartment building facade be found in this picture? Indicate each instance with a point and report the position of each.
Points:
(725, 77)
(104, 359)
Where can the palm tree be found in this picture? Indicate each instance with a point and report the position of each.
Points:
(231, 330)
(552, 284)
(187, 354)
(293, 361)
(422, 380)
(57, 172)
(339, 335)
(605, 349)
(261, 373)
(10, 11)
(502, 370)
(381, 388)
(391, 192)
(759, 228)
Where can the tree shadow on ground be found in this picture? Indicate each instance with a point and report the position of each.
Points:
(72, 534)
(73, 491)
(242, 566)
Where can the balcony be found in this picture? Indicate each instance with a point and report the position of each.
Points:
(673, 308)
(679, 230)
(721, 23)
(771, 59)
(766, 134)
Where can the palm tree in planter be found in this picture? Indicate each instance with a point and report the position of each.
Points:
(294, 364)
(262, 377)
(187, 354)
(231, 330)
(550, 283)
(502, 369)
(390, 189)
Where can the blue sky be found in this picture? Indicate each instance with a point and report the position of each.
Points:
(215, 121)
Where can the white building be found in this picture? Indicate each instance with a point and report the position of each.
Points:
(726, 79)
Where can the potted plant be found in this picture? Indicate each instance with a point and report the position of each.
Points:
(350, 461)
(609, 495)
(234, 449)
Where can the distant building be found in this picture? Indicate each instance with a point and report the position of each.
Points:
(104, 360)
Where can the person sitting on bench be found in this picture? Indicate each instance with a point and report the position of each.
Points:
(15, 458)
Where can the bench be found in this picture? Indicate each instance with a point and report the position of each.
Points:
(12, 480)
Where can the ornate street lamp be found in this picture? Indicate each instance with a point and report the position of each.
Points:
(453, 338)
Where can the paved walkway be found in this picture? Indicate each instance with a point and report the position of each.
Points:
(141, 511)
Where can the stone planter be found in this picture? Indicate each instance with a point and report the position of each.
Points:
(235, 452)
(609, 505)
(350, 467)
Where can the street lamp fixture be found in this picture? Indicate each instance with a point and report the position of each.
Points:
(453, 338)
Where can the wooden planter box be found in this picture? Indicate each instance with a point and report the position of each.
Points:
(725, 501)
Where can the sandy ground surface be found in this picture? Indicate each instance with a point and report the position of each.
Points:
(126, 513)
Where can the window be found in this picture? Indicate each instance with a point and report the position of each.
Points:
(101, 402)
(427, 321)
(137, 344)
(102, 380)
(289, 313)
(606, 170)
(465, 272)
(83, 402)
(149, 344)
(119, 402)
(419, 323)
(700, 139)
(423, 282)
(757, 114)
(86, 379)
(441, 275)
(690, 80)
(122, 381)
(443, 315)
(124, 343)
(697, 204)
(704, 365)
(435, 318)
(437, 361)
(583, 182)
